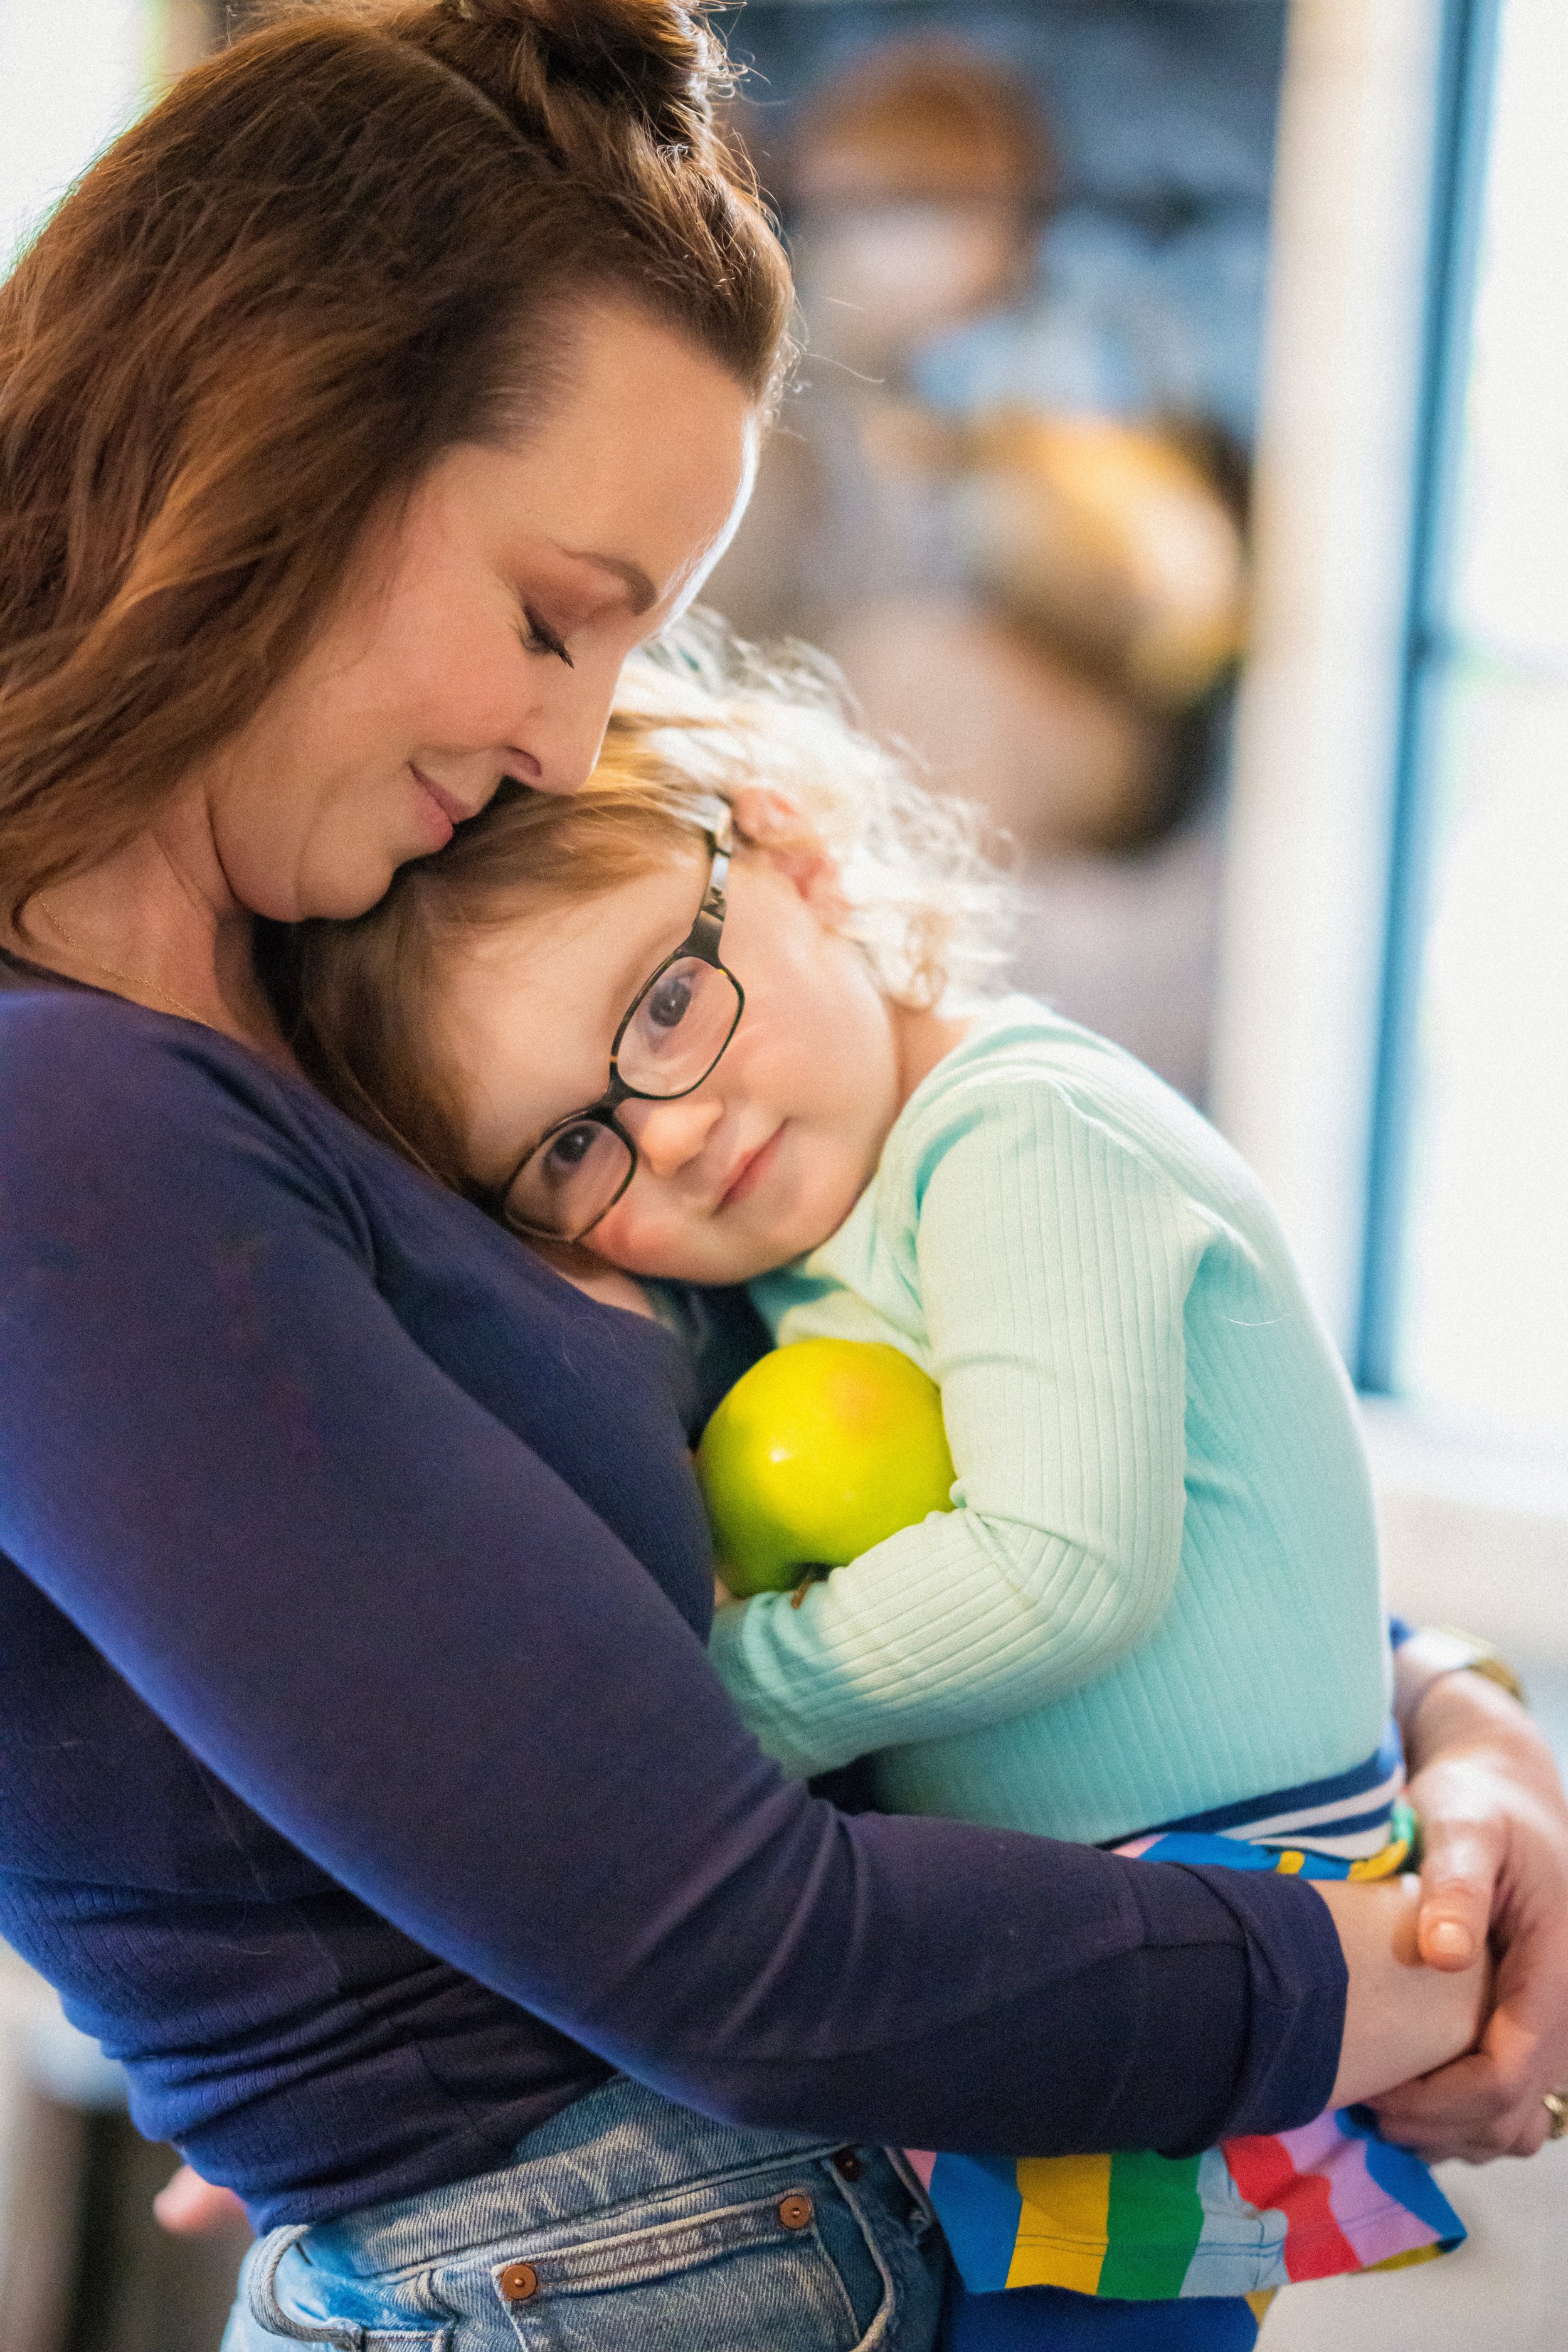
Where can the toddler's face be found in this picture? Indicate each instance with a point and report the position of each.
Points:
(768, 1155)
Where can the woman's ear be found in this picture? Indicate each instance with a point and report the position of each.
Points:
(769, 820)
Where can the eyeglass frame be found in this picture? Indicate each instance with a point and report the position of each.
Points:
(700, 945)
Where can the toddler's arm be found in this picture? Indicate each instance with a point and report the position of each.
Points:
(1054, 1264)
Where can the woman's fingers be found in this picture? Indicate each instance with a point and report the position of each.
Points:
(1495, 1837)
(1460, 1868)
(190, 2207)
(1400, 2018)
(1483, 2106)
(1495, 1828)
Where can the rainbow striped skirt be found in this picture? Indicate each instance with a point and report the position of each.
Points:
(1236, 2222)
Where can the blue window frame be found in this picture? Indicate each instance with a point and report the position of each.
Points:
(1466, 1295)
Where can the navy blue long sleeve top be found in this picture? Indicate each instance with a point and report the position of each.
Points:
(364, 1785)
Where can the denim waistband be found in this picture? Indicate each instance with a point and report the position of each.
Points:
(620, 2142)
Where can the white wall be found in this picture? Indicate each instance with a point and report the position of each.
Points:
(1306, 872)
(71, 75)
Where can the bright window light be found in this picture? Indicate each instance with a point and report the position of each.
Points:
(72, 74)
(1481, 1327)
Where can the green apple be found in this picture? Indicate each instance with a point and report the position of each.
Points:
(817, 1452)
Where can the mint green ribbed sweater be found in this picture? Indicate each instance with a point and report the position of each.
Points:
(1159, 1589)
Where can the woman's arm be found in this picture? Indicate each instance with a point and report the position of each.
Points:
(385, 1623)
(1054, 1266)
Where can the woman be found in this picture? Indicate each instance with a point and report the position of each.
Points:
(367, 1791)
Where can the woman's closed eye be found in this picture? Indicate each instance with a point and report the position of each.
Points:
(543, 639)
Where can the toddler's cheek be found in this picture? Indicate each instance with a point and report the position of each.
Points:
(637, 1244)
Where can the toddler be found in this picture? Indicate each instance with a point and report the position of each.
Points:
(1152, 1615)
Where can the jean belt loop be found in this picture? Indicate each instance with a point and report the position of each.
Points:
(266, 2310)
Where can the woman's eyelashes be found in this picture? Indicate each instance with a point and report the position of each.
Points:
(541, 639)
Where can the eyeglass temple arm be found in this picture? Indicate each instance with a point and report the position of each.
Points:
(710, 915)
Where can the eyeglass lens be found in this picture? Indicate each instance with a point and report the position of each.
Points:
(674, 1035)
(678, 1028)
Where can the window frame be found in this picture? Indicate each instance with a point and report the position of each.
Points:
(1379, 179)
(1463, 146)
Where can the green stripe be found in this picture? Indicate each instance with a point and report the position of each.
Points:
(1153, 2224)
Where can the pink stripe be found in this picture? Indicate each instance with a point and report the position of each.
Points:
(921, 2162)
(1309, 2146)
(1376, 2223)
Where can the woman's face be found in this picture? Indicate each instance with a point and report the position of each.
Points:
(768, 1155)
(481, 633)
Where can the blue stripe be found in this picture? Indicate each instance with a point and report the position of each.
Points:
(1402, 2176)
(1379, 1816)
(1031, 2318)
(978, 2199)
(1379, 1766)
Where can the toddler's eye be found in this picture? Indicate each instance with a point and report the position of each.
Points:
(670, 1001)
(572, 1146)
(681, 1026)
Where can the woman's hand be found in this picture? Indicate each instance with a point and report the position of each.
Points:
(1401, 2018)
(189, 2207)
(1495, 1828)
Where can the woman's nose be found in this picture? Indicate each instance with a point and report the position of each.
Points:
(567, 727)
(669, 1135)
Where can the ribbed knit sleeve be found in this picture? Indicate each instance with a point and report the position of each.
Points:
(1053, 1262)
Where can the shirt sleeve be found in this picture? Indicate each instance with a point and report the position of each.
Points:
(1053, 1263)
(389, 1627)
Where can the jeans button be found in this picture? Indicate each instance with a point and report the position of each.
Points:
(847, 2164)
(519, 2281)
(795, 2211)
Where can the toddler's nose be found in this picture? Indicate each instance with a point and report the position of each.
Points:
(670, 1134)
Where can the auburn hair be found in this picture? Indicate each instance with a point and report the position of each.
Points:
(344, 244)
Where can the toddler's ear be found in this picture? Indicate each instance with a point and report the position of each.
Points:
(771, 821)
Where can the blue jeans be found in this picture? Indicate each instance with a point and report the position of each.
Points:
(625, 2224)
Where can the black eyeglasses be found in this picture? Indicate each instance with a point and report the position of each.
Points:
(672, 1035)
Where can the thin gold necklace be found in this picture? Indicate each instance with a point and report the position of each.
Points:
(107, 971)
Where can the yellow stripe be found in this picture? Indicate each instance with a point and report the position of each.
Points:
(1062, 2230)
(1290, 1863)
(1386, 1861)
(1259, 2303)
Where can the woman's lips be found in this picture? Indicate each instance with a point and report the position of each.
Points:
(752, 1168)
(441, 812)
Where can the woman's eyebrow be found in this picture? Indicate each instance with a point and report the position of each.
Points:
(641, 594)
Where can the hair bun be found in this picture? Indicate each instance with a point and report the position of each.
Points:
(570, 67)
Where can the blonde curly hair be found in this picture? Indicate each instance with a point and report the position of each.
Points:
(701, 722)
(702, 716)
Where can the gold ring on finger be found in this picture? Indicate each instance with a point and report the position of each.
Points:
(1557, 2106)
